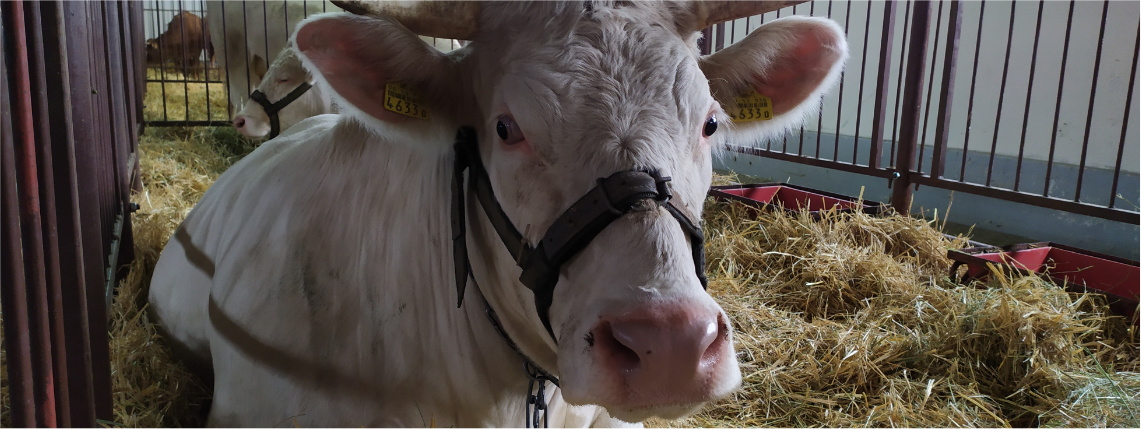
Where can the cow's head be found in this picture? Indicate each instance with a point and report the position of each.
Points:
(153, 54)
(282, 87)
(562, 94)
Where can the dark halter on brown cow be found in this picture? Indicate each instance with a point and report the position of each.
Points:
(271, 109)
(621, 193)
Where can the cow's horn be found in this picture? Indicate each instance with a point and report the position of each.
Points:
(444, 19)
(707, 13)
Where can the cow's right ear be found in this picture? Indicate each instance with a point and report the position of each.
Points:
(357, 57)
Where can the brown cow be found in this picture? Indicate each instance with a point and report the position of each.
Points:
(186, 36)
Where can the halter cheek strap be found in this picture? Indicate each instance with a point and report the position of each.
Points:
(614, 196)
(271, 109)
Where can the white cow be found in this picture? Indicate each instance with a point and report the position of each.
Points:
(247, 34)
(288, 90)
(317, 276)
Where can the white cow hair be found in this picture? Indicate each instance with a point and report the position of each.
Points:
(323, 237)
(313, 102)
(408, 133)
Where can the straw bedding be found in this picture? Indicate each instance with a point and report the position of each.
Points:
(845, 321)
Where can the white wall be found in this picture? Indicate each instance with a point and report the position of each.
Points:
(1110, 97)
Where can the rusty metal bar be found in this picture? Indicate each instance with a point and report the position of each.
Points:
(946, 90)
(971, 97)
(916, 57)
(23, 127)
(48, 232)
(1058, 104)
(880, 112)
(17, 333)
(1002, 95)
(1089, 113)
(1125, 121)
(1029, 92)
(79, 370)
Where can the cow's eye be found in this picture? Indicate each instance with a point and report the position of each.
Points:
(283, 80)
(508, 130)
(710, 126)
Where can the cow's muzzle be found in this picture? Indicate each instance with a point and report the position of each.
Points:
(613, 197)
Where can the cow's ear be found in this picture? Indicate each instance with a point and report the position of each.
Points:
(258, 67)
(790, 61)
(357, 57)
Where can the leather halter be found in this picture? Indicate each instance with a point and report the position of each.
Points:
(621, 193)
(271, 109)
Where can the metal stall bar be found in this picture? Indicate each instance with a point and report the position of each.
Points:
(1125, 123)
(29, 211)
(946, 90)
(909, 127)
(78, 348)
(899, 86)
(930, 87)
(880, 113)
(83, 28)
(1089, 113)
(840, 90)
(1002, 95)
(860, 92)
(1058, 104)
(971, 96)
(17, 335)
(1029, 93)
(47, 211)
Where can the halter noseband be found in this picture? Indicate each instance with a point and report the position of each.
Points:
(613, 197)
(271, 109)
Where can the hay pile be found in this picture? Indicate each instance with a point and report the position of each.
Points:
(151, 388)
(852, 321)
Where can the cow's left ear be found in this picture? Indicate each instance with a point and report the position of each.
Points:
(358, 57)
(787, 63)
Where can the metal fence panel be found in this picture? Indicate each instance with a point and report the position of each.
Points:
(70, 101)
(1021, 101)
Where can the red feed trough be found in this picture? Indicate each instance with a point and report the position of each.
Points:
(1078, 270)
(770, 196)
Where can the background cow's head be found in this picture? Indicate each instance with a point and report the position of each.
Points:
(562, 94)
(283, 77)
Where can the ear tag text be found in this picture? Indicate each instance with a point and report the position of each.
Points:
(751, 106)
(400, 99)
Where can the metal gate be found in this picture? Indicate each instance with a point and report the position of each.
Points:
(71, 111)
(1042, 116)
(249, 35)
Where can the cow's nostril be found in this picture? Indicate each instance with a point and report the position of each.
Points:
(621, 355)
(239, 122)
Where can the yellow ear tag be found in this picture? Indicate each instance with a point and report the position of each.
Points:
(751, 106)
(399, 98)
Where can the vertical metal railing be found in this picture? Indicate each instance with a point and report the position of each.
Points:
(1057, 161)
(69, 108)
